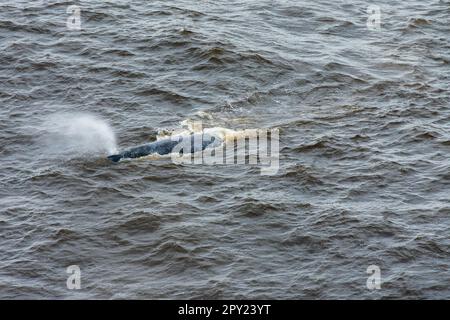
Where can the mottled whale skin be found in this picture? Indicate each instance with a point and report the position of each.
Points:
(192, 143)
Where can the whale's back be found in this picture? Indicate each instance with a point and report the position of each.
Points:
(187, 144)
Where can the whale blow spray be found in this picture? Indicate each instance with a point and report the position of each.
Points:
(80, 134)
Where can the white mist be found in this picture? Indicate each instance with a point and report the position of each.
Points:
(79, 133)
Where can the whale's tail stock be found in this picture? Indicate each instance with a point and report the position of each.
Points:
(115, 157)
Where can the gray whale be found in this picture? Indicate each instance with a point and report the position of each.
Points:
(192, 143)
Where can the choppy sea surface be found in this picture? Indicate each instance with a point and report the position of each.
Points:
(364, 120)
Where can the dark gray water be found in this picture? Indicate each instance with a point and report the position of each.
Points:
(364, 128)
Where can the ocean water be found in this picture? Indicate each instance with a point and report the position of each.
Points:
(363, 113)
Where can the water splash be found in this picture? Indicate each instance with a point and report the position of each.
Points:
(79, 134)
